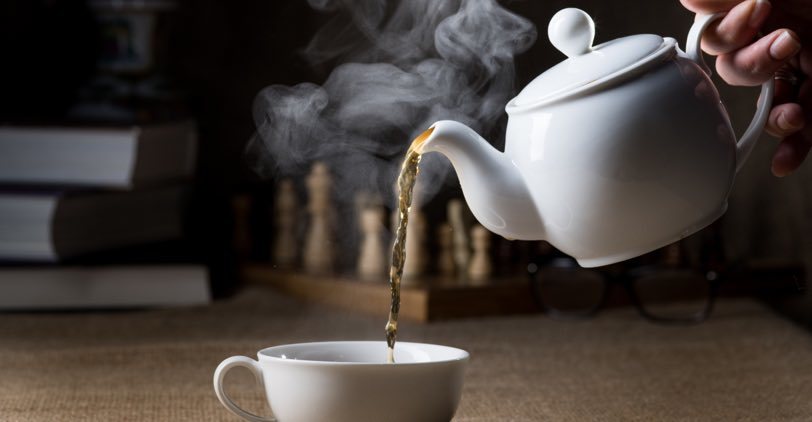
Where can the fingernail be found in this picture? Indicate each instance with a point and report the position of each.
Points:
(787, 123)
(784, 46)
(778, 171)
(760, 10)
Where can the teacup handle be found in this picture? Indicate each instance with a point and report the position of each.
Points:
(219, 376)
(745, 145)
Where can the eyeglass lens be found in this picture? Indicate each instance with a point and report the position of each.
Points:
(673, 295)
(571, 289)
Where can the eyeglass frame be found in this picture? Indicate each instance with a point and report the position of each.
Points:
(626, 277)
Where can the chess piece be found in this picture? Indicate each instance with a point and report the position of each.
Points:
(241, 205)
(445, 260)
(479, 270)
(318, 248)
(285, 212)
(504, 257)
(416, 256)
(415, 264)
(415, 251)
(371, 258)
(456, 217)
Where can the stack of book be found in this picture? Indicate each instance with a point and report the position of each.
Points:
(70, 195)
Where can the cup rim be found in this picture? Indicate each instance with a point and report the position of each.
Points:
(264, 356)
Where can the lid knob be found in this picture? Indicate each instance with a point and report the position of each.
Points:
(572, 31)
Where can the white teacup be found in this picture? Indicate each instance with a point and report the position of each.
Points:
(350, 381)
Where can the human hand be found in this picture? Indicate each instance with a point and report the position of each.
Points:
(745, 59)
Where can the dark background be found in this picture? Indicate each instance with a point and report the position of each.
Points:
(222, 53)
(219, 54)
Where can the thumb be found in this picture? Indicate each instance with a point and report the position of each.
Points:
(710, 6)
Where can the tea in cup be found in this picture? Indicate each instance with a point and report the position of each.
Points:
(351, 381)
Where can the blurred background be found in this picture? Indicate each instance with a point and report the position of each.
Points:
(187, 75)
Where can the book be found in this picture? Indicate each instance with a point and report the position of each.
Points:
(103, 286)
(121, 158)
(50, 226)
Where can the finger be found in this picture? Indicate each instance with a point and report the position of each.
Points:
(805, 61)
(790, 154)
(785, 92)
(709, 6)
(757, 62)
(785, 119)
(737, 28)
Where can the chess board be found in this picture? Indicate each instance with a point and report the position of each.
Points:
(435, 298)
(424, 300)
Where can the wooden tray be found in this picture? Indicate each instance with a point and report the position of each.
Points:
(428, 299)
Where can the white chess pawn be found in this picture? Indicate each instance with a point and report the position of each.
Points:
(445, 242)
(415, 264)
(318, 248)
(371, 257)
(479, 270)
(415, 238)
(456, 217)
(286, 209)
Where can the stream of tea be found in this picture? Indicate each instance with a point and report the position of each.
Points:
(406, 181)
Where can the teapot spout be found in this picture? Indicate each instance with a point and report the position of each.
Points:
(492, 184)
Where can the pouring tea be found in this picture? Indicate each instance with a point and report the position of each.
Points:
(620, 149)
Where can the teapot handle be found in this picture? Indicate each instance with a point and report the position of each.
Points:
(694, 51)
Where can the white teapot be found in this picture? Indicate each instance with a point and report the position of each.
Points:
(621, 149)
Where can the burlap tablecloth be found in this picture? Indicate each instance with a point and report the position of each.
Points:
(745, 363)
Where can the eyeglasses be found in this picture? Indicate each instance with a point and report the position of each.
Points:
(663, 295)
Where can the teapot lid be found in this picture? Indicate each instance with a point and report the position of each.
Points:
(572, 32)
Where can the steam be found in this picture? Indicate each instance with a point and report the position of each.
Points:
(399, 66)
